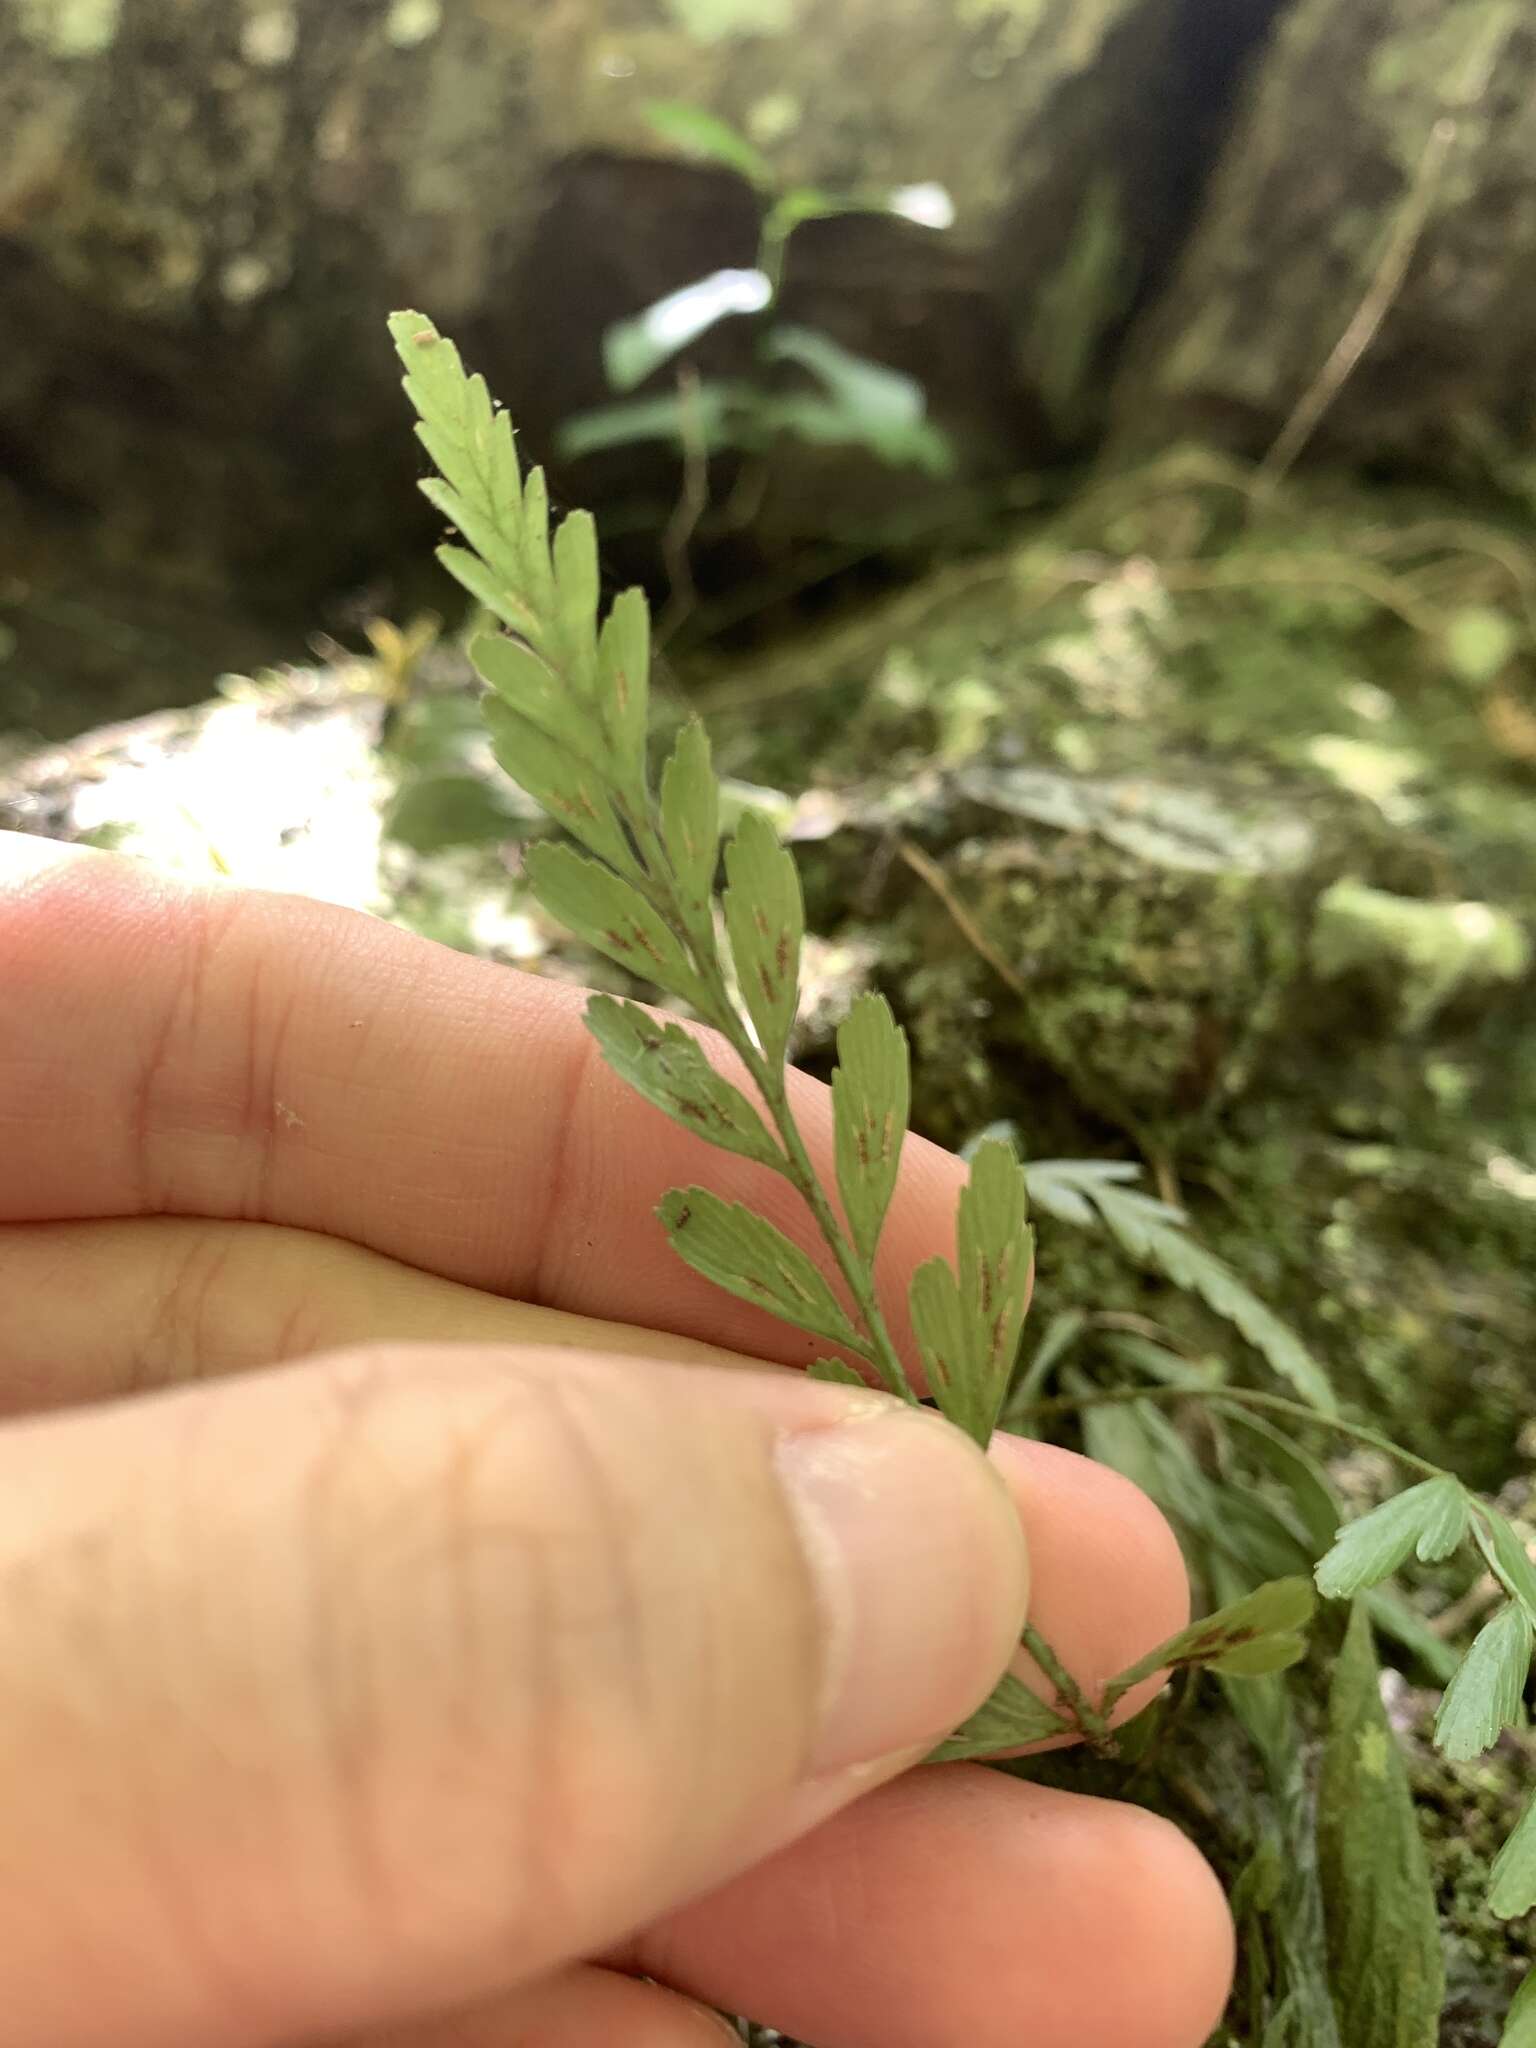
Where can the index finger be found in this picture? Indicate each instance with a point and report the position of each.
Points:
(171, 1049)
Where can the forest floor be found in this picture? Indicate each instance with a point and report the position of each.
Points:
(1188, 831)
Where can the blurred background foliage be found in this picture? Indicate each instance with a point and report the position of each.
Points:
(790, 296)
(1083, 456)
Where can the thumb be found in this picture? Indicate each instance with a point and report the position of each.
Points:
(403, 1676)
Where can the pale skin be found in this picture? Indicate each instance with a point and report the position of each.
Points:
(387, 1660)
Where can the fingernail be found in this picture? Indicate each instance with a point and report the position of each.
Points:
(918, 1560)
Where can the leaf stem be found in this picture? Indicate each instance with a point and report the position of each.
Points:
(1070, 1694)
(858, 1276)
(545, 596)
(1243, 1397)
(770, 1083)
(857, 1273)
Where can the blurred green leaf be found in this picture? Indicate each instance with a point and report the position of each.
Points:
(1167, 1368)
(1142, 1444)
(1478, 642)
(1252, 1528)
(1385, 1963)
(1297, 2007)
(867, 402)
(437, 735)
(633, 348)
(438, 811)
(1061, 1333)
(832, 423)
(806, 202)
(1520, 2024)
(700, 133)
(1304, 1482)
(704, 414)
(1156, 1234)
(1392, 1616)
(1011, 1718)
(1512, 1892)
(878, 394)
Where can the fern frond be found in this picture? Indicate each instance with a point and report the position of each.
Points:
(1156, 1234)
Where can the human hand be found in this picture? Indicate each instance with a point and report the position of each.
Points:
(485, 1659)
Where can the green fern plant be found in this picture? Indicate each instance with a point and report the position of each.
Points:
(567, 709)
(832, 397)
(568, 716)
(1098, 1193)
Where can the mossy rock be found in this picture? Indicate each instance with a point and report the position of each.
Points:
(1176, 830)
(1142, 938)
